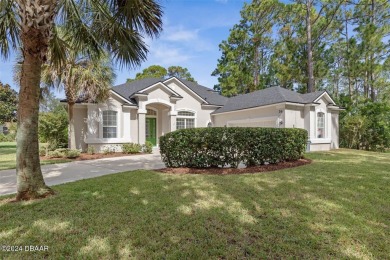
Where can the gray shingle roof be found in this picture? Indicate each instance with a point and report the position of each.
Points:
(127, 89)
(211, 96)
(310, 97)
(258, 98)
(265, 97)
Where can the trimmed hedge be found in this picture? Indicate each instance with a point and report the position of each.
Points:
(230, 146)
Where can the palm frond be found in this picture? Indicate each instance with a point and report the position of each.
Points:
(75, 19)
(9, 28)
(58, 48)
(118, 27)
(143, 16)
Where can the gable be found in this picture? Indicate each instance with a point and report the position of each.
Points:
(161, 86)
(158, 92)
(182, 89)
(326, 98)
(206, 95)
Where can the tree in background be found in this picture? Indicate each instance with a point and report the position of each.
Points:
(244, 64)
(48, 101)
(180, 72)
(53, 126)
(272, 44)
(317, 26)
(157, 71)
(154, 71)
(83, 79)
(91, 27)
(8, 103)
(372, 31)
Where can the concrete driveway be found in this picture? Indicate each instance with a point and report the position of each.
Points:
(78, 170)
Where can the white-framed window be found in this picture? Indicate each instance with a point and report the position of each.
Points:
(185, 119)
(151, 112)
(320, 125)
(110, 124)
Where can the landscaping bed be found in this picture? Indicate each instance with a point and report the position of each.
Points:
(224, 171)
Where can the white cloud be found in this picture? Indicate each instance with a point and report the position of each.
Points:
(166, 55)
(178, 34)
(177, 45)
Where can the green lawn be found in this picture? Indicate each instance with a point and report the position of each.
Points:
(8, 157)
(338, 207)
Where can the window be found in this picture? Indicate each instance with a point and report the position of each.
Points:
(185, 119)
(109, 124)
(151, 112)
(320, 125)
(185, 113)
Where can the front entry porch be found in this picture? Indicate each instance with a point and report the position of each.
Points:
(154, 121)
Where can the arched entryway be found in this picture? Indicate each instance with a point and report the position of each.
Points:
(159, 120)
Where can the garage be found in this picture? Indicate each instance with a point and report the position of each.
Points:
(254, 122)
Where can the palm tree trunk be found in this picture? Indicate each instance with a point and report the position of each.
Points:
(35, 39)
(30, 183)
(72, 134)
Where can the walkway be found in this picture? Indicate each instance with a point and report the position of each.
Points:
(78, 170)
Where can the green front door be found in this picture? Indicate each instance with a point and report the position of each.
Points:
(150, 130)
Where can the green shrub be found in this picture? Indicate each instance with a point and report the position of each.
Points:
(53, 127)
(147, 147)
(222, 146)
(55, 154)
(43, 149)
(71, 154)
(64, 153)
(91, 150)
(7, 138)
(131, 148)
(107, 150)
(366, 126)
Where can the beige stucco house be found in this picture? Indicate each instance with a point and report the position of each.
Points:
(146, 109)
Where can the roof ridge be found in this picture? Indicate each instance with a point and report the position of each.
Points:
(278, 88)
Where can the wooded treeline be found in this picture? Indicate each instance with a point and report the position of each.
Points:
(308, 45)
(342, 46)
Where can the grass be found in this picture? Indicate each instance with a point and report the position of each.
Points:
(336, 207)
(8, 156)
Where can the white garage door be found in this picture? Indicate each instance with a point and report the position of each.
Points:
(252, 123)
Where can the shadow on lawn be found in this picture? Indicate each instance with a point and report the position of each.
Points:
(7, 148)
(315, 211)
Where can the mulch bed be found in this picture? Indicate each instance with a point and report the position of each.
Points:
(225, 171)
(85, 156)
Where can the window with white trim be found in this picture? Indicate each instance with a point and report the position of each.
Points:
(151, 112)
(110, 124)
(320, 125)
(185, 119)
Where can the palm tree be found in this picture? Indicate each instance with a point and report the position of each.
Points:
(91, 27)
(81, 77)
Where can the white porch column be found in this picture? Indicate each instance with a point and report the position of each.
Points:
(172, 116)
(141, 125)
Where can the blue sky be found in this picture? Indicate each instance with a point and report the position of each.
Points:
(192, 31)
